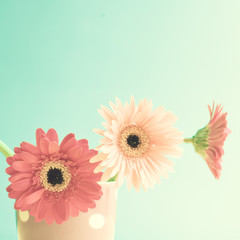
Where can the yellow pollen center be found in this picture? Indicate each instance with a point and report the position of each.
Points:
(133, 141)
(60, 172)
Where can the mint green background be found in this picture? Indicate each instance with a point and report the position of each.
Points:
(60, 60)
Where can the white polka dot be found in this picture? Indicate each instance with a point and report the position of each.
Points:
(96, 221)
(24, 216)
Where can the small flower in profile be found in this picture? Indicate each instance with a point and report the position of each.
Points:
(208, 141)
(136, 142)
(53, 181)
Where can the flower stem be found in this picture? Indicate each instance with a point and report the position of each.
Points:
(5, 150)
(188, 140)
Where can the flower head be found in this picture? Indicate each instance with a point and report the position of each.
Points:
(53, 181)
(136, 142)
(208, 141)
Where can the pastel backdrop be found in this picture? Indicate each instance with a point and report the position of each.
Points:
(60, 60)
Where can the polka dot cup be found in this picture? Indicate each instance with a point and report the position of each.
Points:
(96, 224)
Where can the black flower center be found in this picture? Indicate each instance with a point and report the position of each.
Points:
(133, 141)
(55, 176)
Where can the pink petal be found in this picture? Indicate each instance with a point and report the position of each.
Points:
(10, 171)
(49, 216)
(53, 147)
(17, 157)
(39, 135)
(77, 204)
(17, 150)
(87, 155)
(93, 189)
(44, 146)
(84, 144)
(74, 153)
(28, 157)
(68, 144)
(19, 204)
(85, 199)
(22, 185)
(52, 135)
(18, 176)
(86, 166)
(9, 188)
(34, 197)
(34, 209)
(22, 166)
(66, 139)
(28, 147)
(15, 194)
(10, 160)
(43, 208)
(91, 177)
(60, 211)
(73, 211)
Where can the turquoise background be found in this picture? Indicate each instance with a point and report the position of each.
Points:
(60, 60)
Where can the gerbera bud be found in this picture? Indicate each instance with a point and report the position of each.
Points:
(200, 141)
(208, 141)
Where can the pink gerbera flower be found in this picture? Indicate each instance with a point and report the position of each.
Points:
(53, 181)
(208, 141)
(136, 142)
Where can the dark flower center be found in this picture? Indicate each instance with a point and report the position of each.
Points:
(133, 141)
(55, 176)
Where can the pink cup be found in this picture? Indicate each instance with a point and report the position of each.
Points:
(96, 224)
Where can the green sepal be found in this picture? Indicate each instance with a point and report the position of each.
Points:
(200, 141)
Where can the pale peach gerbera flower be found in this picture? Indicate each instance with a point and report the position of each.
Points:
(136, 142)
(208, 141)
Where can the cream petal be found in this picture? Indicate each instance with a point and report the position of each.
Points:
(152, 170)
(106, 141)
(109, 135)
(114, 153)
(98, 147)
(120, 119)
(155, 117)
(168, 120)
(107, 125)
(148, 178)
(154, 154)
(113, 106)
(107, 148)
(98, 169)
(108, 162)
(108, 113)
(99, 157)
(115, 127)
(99, 131)
(174, 151)
(121, 173)
(116, 167)
(136, 180)
(119, 105)
(106, 175)
(129, 178)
